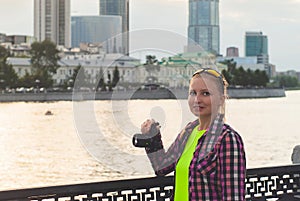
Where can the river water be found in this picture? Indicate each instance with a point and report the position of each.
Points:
(90, 141)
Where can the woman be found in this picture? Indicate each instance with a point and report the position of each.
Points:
(208, 155)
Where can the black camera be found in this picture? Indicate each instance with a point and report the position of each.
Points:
(145, 140)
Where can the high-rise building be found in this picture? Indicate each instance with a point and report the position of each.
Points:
(52, 21)
(121, 8)
(97, 29)
(256, 44)
(204, 29)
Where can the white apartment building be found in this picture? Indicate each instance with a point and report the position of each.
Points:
(52, 20)
(90, 63)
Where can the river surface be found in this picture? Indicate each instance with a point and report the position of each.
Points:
(90, 141)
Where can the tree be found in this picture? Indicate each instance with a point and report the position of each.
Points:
(116, 76)
(250, 78)
(26, 81)
(152, 65)
(238, 76)
(44, 60)
(286, 81)
(109, 81)
(3, 53)
(75, 73)
(82, 80)
(8, 76)
(100, 79)
(229, 73)
(261, 78)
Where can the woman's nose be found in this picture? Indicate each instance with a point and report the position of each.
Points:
(198, 97)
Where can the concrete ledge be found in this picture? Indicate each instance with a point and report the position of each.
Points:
(133, 94)
(256, 93)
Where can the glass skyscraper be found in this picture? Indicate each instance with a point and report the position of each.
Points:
(97, 29)
(256, 44)
(121, 8)
(204, 29)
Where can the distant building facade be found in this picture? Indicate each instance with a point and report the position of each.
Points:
(20, 39)
(204, 28)
(251, 63)
(245, 62)
(174, 71)
(92, 65)
(256, 44)
(97, 29)
(16, 39)
(52, 21)
(120, 8)
(2, 37)
(232, 52)
(17, 45)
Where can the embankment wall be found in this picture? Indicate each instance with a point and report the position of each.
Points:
(133, 94)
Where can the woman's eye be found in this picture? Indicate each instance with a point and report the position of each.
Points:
(206, 93)
(193, 93)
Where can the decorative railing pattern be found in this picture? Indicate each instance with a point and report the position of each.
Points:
(282, 182)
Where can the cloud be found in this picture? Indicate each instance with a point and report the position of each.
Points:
(295, 1)
(289, 20)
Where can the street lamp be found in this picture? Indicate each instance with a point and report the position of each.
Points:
(2, 85)
(70, 84)
(37, 83)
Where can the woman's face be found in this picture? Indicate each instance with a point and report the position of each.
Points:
(204, 96)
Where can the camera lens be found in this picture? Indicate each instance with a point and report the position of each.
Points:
(140, 140)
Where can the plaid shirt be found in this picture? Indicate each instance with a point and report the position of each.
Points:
(219, 176)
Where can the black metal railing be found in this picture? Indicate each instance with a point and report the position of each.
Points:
(281, 182)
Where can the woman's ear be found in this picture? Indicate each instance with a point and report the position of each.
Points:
(222, 100)
(222, 104)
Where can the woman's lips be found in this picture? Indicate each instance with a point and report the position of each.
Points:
(199, 107)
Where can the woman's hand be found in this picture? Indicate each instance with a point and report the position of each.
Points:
(146, 125)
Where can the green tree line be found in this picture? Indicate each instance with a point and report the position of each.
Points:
(44, 61)
(257, 78)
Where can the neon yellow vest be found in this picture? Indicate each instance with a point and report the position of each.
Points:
(182, 167)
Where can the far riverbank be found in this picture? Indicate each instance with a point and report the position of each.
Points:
(235, 93)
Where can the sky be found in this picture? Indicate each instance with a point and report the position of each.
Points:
(279, 20)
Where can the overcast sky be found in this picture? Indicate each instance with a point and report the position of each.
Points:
(278, 19)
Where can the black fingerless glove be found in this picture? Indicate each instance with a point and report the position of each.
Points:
(151, 140)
